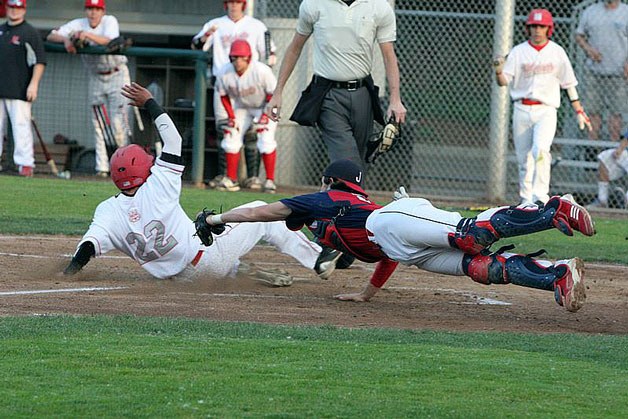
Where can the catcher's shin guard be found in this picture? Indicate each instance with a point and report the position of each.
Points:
(512, 269)
(251, 155)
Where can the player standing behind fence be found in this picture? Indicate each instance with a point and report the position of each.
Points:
(249, 85)
(106, 73)
(536, 70)
(22, 63)
(342, 99)
(218, 34)
(603, 34)
(145, 220)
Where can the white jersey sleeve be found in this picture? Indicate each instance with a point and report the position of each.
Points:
(72, 26)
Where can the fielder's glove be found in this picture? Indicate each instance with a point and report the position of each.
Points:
(384, 141)
(204, 230)
(77, 41)
(400, 194)
(118, 45)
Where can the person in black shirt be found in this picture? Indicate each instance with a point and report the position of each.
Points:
(22, 66)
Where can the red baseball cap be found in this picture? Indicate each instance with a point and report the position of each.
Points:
(95, 3)
(18, 4)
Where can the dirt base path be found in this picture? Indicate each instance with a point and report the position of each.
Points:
(30, 284)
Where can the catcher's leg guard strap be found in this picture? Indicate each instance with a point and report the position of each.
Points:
(515, 221)
(515, 269)
(473, 236)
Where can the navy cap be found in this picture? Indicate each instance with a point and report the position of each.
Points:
(347, 171)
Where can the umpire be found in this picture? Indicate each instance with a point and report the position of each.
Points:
(342, 99)
(22, 63)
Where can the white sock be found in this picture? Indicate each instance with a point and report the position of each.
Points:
(602, 192)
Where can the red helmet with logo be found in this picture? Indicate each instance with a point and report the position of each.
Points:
(95, 3)
(240, 48)
(17, 4)
(130, 166)
(541, 17)
(235, 1)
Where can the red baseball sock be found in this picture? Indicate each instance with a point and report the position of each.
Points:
(269, 164)
(233, 159)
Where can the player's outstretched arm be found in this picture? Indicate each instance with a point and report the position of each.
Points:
(383, 271)
(276, 211)
(84, 253)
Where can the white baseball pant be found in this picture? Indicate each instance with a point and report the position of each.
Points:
(222, 258)
(534, 127)
(19, 112)
(233, 141)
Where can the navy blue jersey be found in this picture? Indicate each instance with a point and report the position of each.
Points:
(338, 219)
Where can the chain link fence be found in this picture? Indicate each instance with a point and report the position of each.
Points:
(444, 51)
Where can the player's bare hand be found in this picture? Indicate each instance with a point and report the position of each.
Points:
(31, 92)
(583, 120)
(69, 46)
(272, 60)
(398, 111)
(273, 109)
(498, 63)
(594, 54)
(357, 297)
(137, 94)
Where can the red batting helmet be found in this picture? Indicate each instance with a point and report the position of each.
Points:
(95, 3)
(235, 1)
(130, 166)
(240, 48)
(541, 17)
(17, 4)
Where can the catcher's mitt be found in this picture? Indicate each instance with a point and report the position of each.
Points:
(205, 231)
(384, 141)
(119, 44)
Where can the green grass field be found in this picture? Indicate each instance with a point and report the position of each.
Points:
(98, 366)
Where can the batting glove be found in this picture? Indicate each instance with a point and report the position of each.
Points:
(400, 194)
(583, 120)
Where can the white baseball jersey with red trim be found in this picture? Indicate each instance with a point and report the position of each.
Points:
(539, 75)
(250, 89)
(227, 31)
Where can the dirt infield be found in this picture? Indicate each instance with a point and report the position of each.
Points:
(30, 284)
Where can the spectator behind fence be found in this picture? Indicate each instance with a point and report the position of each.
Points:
(613, 166)
(218, 34)
(248, 85)
(536, 70)
(22, 64)
(106, 75)
(603, 35)
(342, 99)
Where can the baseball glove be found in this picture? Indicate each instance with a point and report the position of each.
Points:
(77, 41)
(384, 141)
(205, 231)
(118, 45)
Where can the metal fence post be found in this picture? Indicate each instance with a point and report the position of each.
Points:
(200, 109)
(500, 105)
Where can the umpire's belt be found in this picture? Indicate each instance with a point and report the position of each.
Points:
(349, 85)
(106, 73)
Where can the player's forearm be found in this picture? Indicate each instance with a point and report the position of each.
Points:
(383, 271)
(271, 212)
(166, 128)
(97, 39)
(289, 61)
(83, 255)
(581, 40)
(38, 72)
(56, 37)
(392, 71)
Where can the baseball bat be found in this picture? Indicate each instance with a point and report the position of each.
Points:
(112, 137)
(49, 160)
(101, 125)
(267, 45)
(138, 118)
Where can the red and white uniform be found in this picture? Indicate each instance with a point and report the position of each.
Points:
(536, 75)
(227, 31)
(245, 97)
(107, 75)
(152, 228)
